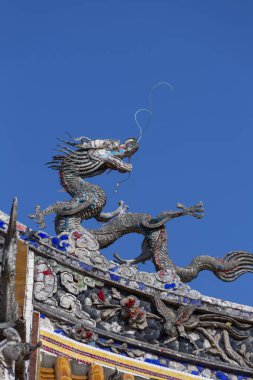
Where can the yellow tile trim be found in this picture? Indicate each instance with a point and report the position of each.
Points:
(47, 370)
(105, 358)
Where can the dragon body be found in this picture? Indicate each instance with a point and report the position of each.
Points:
(87, 158)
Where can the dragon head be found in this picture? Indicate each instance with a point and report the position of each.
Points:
(112, 152)
(93, 157)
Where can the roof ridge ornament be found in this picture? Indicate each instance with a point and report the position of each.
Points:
(94, 157)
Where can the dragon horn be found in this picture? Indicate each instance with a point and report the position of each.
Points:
(68, 142)
(81, 138)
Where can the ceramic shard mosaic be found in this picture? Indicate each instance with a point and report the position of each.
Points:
(87, 307)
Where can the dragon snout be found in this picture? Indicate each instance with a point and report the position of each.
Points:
(125, 167)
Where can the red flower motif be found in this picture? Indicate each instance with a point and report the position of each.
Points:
(101, 295)
(77, 235)
(88, 334)
(130, 303)
(47, 272)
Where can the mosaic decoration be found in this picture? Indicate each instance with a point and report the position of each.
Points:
(92, 308)
(136, 324)
(88, 158)
(128, 324)
(57, 344)
(83, 247)
(146, 282)
(152, 366)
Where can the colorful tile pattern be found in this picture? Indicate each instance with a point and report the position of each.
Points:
(59, 345)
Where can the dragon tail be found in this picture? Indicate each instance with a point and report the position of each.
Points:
(233, 265)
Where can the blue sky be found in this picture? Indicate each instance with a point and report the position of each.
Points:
(86, 66)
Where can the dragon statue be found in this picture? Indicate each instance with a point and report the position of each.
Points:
(82, 158)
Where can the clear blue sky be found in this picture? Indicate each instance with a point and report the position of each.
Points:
(87, 66)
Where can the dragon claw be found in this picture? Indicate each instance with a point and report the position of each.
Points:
(123, 207)
(39, 216)
(196, 210)
(118, 259)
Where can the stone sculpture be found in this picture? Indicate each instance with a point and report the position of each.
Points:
(12, 349)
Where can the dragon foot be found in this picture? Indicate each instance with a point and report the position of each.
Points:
(122, 209)
(107, 216)
(196, 211)
(39, 216)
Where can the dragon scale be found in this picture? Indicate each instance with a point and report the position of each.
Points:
(87, 158)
